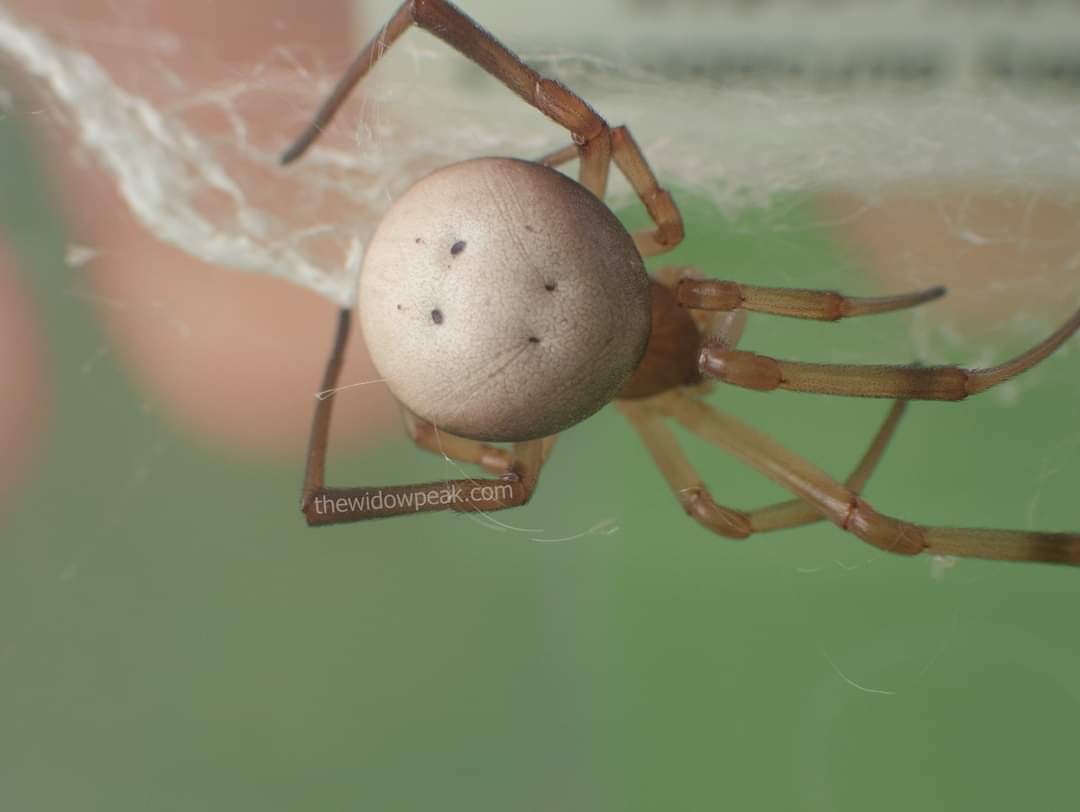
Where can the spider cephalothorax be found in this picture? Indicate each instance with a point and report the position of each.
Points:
(503, 301)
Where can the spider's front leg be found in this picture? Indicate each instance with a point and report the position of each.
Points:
(760, 372)
(321, 505)
(753, 371)
(820, 305)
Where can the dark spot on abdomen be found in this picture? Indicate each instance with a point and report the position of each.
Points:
(437, 316)
(534, 340)
(457, 248)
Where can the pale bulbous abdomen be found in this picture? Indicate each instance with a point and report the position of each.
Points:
(502, 301)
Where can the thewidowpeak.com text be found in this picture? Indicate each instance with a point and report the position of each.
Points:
(415, 500)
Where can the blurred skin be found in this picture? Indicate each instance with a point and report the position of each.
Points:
(235, 358)
(26, 401)
(976, 242)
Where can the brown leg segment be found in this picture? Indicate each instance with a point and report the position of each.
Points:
(822, 305)
(463, 34)
(753, 371)
(731, 523)
(594, 142)
(491, 458)
(681, 476)
(559, 156)
(846, 509)
(797, 512)
(322, 505)
(658, 201)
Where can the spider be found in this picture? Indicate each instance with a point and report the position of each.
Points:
(503, 302)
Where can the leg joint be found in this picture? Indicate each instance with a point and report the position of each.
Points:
(700, 506)
(558, 102)
(884, 532)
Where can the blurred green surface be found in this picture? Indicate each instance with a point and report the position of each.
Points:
(173, 638)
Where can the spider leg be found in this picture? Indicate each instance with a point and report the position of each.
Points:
(681, 476)
(491, 458)
(658, 202)
(698, 502)
(427, 435)
(822, 305)
(760, 372)
(322, 505)
(798, 512)
(594, 142)
(559, 156)
(846, 509)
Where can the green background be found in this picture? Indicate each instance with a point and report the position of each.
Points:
(173, 638)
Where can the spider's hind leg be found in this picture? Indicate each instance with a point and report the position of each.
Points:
(491, 458)
(595, 143)
(427, 436)
(658, 202)
(324, 505)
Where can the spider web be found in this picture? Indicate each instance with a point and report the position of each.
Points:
(198, 168)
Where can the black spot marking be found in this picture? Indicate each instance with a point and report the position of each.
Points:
(436, 316)
(534, 340)
(457, 248)
(399, 307)
(550, 285)
(418, 240)
(530, 229)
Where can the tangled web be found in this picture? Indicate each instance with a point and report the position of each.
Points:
(197, 162)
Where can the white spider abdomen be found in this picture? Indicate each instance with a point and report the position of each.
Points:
(502, 301)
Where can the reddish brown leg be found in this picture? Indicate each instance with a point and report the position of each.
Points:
(658, 202)
(594, 142)
(846, 509)
(323, 505)
(681, 477)
(491, 458)
(459, 31)
(698, 502)
(822, 305)
(798, 512)
(760, 372)
(559, 156)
